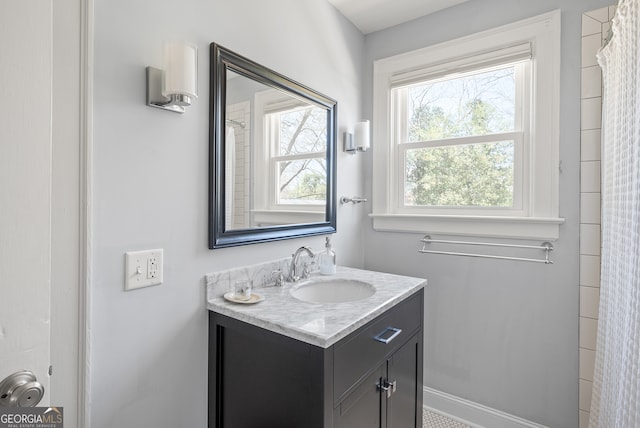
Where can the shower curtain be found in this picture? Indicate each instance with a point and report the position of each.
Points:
(616, 387)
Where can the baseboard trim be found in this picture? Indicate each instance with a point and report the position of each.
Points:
(471, 413)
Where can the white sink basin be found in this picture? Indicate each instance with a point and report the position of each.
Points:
(333, 290)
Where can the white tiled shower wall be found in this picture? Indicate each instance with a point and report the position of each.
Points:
(595, 28)
(240, 114)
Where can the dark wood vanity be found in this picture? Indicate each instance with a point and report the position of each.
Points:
(262, 379)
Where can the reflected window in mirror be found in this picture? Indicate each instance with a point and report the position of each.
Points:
(293, 158)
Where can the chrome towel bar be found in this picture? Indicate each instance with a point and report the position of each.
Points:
(354, 200)
(236, 122)
(545, 246)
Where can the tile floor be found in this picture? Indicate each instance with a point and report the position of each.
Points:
(436, 420)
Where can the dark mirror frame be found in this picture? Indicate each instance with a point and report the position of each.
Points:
(221, 60)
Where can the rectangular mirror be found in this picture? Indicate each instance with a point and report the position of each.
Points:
(272, 155)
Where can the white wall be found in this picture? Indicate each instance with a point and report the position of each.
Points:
(150, 172)
(502, 334)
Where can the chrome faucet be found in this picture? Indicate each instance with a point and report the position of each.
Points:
(293, 271)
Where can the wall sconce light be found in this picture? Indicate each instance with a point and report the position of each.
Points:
(175, 85)
(360, 140)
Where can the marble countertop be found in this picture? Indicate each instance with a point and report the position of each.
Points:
(319, 324)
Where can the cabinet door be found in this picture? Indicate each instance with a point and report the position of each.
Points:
(404, 410)
(260, 379)
(363, 407)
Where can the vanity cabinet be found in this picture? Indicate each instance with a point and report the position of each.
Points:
(371, 378)
(387, 398)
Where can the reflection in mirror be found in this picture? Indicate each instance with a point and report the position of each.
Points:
(273, 155)
(288, 148)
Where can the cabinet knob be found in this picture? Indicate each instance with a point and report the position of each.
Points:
(387, 387)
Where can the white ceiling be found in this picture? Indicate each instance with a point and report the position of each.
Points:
(374, 15)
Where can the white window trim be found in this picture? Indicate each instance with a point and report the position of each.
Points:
(542, 220)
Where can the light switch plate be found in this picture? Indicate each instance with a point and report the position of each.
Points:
(143, 268)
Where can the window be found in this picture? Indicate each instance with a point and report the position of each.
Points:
(466, 135)
(298, 155)
(460, 139)
(293, 157)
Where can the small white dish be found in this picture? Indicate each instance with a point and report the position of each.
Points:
(255, 298)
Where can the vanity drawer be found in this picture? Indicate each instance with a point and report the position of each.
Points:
(366, 348)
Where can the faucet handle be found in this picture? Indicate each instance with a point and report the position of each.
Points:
(306, 269)
(278, 277)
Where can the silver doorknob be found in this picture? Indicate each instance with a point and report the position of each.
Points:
(20, 389)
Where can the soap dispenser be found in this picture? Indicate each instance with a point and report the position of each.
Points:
(327, 259)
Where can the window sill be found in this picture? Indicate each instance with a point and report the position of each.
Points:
(497, 227)
(282, 217)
